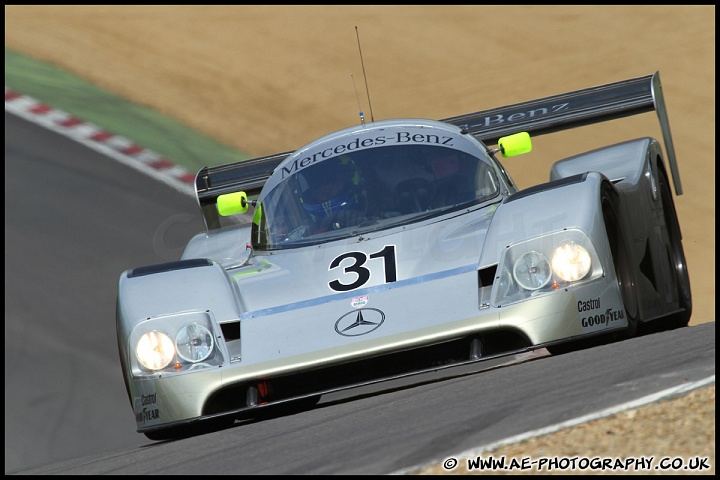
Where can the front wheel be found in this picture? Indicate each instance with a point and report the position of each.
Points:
(621, 259)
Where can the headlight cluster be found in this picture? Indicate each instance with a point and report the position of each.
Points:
(545, 264)
(178, 341)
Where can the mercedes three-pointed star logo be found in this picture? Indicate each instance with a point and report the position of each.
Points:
(359, 322)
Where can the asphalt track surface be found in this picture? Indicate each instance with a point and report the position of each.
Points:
(74, 220)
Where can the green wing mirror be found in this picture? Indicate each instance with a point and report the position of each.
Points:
(514, 145)
(232, 203)
(237, 202)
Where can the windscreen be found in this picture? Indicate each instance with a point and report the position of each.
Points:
(370, 189)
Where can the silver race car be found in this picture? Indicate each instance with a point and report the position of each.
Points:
(403, 246)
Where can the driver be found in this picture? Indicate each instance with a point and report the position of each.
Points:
(333, 197)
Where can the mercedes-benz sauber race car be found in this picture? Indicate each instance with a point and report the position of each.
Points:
(403, 246)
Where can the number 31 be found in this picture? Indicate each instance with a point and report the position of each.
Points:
(362, 272)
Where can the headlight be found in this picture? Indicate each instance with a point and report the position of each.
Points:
(176, 343)
(155, 350)
(543, 265)
(532, 271)
(194, 343)
(571, 262)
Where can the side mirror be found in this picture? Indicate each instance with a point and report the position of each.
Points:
(515, 144)
(232, 203)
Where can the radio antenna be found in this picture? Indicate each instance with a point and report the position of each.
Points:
(367, 90)
(362, 116)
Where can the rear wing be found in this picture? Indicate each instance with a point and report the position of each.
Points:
(537, 117)
(576, 109)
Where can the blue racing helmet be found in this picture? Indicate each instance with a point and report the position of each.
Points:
(329, 187)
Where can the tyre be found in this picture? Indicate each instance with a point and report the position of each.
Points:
(621, 259)
(676, 257)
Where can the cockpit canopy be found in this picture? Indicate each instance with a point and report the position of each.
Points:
(340, 191)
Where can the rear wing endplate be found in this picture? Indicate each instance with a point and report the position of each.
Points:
(537, 117)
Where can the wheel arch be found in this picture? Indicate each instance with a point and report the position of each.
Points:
(625, 274)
